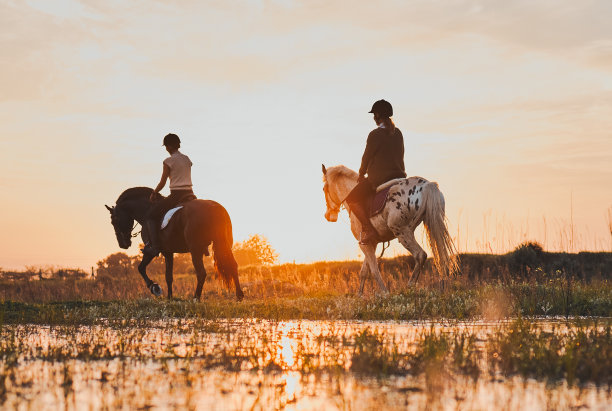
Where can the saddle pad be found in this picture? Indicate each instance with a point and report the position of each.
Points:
(378, 201)
(168, 216)
(389, 183)
(380, 198)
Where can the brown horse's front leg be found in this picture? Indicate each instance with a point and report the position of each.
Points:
(198, 264)
(169, 257)
(142, 269)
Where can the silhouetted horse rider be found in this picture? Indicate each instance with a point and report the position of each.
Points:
(382, 161)
(177, 167)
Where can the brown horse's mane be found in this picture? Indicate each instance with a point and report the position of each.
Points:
(135, 193)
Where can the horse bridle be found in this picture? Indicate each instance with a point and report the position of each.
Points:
(328, 200)
(135, 234)
(125, 234)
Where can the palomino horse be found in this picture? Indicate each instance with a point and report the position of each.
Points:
(410, 201)
(191, 229)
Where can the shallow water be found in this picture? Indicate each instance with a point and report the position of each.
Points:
(254, 364)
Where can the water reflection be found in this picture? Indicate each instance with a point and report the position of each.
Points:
(252, 364)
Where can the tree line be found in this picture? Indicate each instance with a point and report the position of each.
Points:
(255, 250)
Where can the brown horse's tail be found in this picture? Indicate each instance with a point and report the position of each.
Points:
(225, 263)
(440, 241)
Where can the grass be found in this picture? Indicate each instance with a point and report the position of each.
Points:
(118, 279)
(580, 354)
(455, 301)
(525, 282)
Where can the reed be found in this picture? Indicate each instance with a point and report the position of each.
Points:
(578, 353)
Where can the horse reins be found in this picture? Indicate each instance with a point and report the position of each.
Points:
(336, 209)
(328, 200)
(135, 234)
(132, 229)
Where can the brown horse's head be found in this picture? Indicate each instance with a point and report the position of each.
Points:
(123, 225)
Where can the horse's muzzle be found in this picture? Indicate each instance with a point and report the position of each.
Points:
(331, 217)
(124, 243)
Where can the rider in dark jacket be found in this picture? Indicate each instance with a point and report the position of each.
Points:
(383, 160)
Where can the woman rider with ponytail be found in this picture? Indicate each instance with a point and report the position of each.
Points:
(383, 160)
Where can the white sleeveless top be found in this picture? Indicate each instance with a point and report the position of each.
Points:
(180, 171)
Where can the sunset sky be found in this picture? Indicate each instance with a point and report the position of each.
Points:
(506, 104)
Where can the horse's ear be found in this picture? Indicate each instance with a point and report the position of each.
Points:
(324, 169)
(110, 209)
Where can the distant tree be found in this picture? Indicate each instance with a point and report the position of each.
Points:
(38, 272)
(69, 273)
(526, 257)
(255, 250)
(117, 264)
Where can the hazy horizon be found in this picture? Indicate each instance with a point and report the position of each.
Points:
(508, 106)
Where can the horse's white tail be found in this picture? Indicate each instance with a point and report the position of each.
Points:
(440, 242)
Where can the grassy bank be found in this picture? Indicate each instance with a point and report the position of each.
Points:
(489, 301)
(525, 282)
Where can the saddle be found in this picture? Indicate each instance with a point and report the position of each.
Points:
(379, 199)
(185, 199)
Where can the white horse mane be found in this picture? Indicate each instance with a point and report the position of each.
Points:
(340, 171)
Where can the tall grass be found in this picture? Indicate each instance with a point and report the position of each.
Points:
(526, 282)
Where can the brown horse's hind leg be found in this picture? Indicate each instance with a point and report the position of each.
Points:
(239, 294)
(228, 268)
(169, 257)
(198, 264)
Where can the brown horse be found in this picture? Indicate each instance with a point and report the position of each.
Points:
(191, 230)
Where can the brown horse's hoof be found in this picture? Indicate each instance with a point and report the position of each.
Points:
(155, 289)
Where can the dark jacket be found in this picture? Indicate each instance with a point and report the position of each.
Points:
(383, 158)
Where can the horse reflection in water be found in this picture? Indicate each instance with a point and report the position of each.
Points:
(410, 201)
(191, 230)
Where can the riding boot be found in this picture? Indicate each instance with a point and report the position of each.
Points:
(153, 247)
(368, 232)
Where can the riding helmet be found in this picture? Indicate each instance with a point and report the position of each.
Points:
(383, 108)
(172, 140)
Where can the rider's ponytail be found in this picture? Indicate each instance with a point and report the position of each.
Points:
(389, 125)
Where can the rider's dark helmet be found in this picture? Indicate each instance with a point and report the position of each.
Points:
(382, 108)
(172, 140)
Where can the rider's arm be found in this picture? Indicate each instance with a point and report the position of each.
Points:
(162, 181)
(367, 154)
